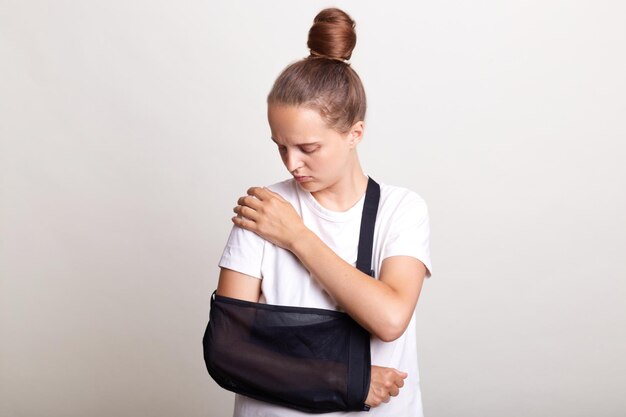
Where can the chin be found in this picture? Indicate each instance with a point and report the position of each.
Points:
(310, 186)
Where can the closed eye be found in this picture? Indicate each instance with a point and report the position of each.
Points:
(305, 149)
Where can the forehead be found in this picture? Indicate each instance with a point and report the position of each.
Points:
(297, 123)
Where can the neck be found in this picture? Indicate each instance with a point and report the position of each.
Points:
(345, 193)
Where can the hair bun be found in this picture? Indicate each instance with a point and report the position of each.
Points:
(332, 35)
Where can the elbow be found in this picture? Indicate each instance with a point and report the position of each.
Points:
(391, 329)
(389, 335)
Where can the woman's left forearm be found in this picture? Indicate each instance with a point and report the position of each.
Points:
(375, 305)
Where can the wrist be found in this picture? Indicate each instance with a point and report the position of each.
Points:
(301, 241)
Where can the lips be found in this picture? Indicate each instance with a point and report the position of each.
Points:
(302, 178)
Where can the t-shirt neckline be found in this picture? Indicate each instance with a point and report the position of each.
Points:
(327, 214)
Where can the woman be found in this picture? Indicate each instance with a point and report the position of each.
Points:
(295, 242)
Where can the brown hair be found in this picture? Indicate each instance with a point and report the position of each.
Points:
(324, 81)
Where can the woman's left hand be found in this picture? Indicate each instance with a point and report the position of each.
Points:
(270, 216)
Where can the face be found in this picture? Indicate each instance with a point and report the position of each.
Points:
(317, 156)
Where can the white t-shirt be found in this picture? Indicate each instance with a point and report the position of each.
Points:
(402, 228)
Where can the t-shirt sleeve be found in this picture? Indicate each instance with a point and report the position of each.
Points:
(409, 232)
(243, 252)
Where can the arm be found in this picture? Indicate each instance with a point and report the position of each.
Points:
(385, 382)
(234, 284)
(384, 306)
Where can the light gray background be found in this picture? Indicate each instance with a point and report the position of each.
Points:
(129, 128)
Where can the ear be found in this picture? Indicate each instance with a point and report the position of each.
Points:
(355, 135)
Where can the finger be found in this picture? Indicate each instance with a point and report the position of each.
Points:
(244, 223)
(258, 192)
(403, 374)
(394, 391)
(249, 201)
(400, 375)
(264, 193)
(272, 193)
(398, 381)
(247, 212)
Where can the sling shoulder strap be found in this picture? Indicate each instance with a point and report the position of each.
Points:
(368, 221)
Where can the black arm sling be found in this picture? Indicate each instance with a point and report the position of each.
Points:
(308, 359)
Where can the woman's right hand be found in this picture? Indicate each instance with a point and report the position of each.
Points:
(384, 384)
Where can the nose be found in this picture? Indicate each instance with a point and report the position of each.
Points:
(292, 161)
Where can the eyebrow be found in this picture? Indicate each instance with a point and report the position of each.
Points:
(298, 144)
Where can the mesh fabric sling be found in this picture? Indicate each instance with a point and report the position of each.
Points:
(309, 359)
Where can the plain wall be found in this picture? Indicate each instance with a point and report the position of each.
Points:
(129, 128)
